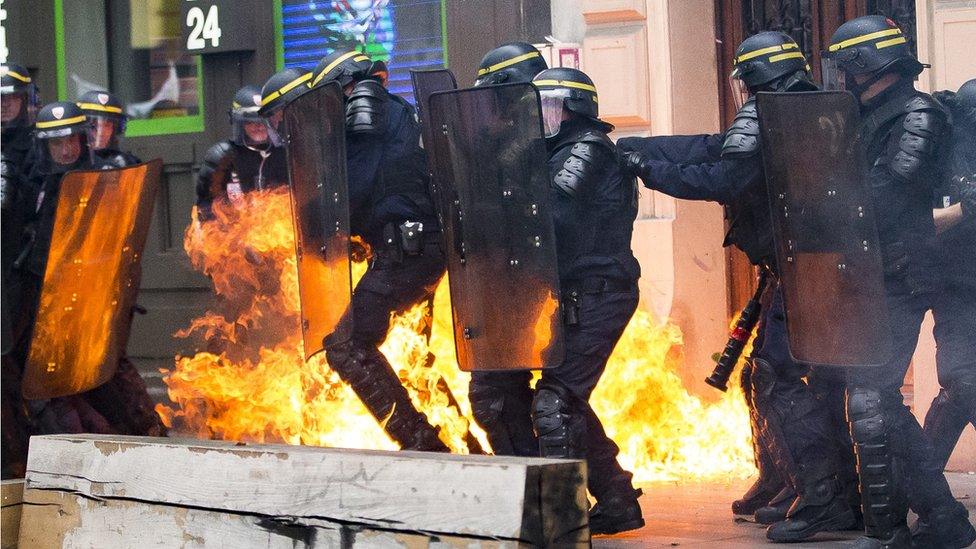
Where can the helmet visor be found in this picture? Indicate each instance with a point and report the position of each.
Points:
(740, 92)
(834, 78)
(250, 129)
(553, 109)
(104, 132)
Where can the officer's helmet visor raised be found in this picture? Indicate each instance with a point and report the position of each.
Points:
(553, 109)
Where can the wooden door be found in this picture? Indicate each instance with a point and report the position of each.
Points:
(811, 23)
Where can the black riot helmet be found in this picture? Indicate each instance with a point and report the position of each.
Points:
(282, 88)
(347, 67)
(19, 96)
(768, 61)
(561, 90)
(106, 115)
(868, 47)
(61, 135)
(512, 62)
(966, 102)
(248, 127)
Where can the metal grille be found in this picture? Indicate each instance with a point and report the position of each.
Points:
(794, 17)
(901, 12)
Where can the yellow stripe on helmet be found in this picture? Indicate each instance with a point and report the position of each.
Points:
(784, 56)
(101, 108)
(59, 123)
(285, 89)
(509, 62)
(763, 51)
(335, 64)
(864, 38)
(18, 76)
(565, 83)
(892, 42)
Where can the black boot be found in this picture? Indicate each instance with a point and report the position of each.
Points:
(777, 508)
(770, 482)
(947, 527)
(821, 508)
(617, 512)
(366, 370)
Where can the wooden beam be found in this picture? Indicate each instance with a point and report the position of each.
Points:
(519, 500)
(11, 497)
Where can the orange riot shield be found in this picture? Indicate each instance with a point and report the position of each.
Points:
(91, 279)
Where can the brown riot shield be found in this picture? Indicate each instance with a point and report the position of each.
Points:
(91, 279)
(490, 158)
(315, 136)
(827, 249)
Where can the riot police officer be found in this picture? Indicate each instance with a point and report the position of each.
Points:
(511, 62)
(955, 306)
(904, 133)
(797, 459)
(390, 209)
(501, 401)
(19, 96)
(594, 206)
(106, 114)
(254, 158)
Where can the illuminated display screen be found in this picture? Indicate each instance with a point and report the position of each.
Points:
(404, 33)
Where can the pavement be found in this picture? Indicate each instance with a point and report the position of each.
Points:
(690, 515)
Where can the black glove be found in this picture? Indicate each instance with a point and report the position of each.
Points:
(967, 195)
(632, 163)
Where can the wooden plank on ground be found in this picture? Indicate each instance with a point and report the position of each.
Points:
(11, 496)
(432, 496)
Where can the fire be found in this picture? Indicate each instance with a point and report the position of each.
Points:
(249, 381)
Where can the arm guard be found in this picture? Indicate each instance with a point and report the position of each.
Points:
(742, 137)
(924, 125)
(366, 109)
(584, 165)
(213, 175)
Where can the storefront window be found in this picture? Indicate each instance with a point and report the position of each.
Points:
(133, 49)
(407, 34)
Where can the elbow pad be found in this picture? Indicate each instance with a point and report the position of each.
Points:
(742, 137)
(366, 108)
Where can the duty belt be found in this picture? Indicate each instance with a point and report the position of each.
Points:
(597, 285)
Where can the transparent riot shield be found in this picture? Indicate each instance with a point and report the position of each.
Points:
(490, 157)
(316, 149)
(826, 238)
(91, 279)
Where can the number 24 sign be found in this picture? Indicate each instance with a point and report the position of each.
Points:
(212, 26)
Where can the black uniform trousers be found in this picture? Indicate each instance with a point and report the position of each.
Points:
(588, 344)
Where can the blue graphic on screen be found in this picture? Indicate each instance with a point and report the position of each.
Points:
(404, 33)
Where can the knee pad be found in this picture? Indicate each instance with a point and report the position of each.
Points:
(762, 377)
(865, 412)
(558, 422)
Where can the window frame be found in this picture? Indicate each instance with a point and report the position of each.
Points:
(134, 128)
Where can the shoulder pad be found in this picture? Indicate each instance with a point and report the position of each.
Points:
(366, 108)
(585, 162)
(218, 152)
(922, 128)
(742, 137)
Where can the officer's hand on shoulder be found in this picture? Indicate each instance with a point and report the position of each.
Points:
(632, 163)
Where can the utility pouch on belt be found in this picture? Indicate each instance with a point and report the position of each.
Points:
(571, 308)
(411, 237)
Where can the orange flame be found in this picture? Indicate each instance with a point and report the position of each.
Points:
(252, 384)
